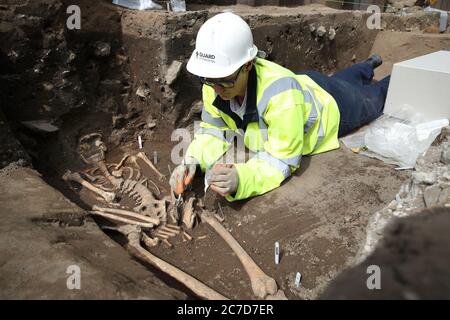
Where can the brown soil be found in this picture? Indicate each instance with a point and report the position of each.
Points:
(317, 238)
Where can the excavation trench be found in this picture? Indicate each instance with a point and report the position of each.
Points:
(123, 75)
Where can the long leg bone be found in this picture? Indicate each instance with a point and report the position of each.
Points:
(262, 284)
(73, 176)
(116, 218)
(141, 155)
(126, 213)
(190, 282)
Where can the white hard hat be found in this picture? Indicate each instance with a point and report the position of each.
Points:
(224, 43)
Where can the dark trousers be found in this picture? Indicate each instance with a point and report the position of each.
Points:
(359, 100)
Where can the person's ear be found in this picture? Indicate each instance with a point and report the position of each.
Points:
(248, 66)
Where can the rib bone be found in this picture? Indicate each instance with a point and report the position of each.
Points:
(122, 161)
(169, 230)
(167, 243)
(164, 233)
(74, 176)
(172, 226)
(141, 155)
(150, 206)
(262, 284)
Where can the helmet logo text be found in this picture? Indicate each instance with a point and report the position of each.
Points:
(207, 56)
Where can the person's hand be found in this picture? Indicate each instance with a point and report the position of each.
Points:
(183, 175)
(223, 179)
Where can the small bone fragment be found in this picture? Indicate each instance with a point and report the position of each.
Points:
(150, 242)
(186, 235)
(167, 243)
(221, 216)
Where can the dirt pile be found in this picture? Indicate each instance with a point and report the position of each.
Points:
(413, 261)
(429, 187)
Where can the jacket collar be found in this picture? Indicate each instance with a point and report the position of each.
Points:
(251, 113)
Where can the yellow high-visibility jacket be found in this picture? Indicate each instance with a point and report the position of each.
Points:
(287, 116)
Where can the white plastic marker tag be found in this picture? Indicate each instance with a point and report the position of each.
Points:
(298, 278)
(140, 142)
(155, 157)
(206, 184)
(277, 253)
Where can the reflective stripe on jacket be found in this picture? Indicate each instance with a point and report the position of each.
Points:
(287, 116)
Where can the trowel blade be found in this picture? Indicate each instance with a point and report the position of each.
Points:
(210, 200)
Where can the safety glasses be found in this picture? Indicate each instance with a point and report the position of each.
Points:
(223, 83)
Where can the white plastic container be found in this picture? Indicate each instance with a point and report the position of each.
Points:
(421, 85)
(137, 4)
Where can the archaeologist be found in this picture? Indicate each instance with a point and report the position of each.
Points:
(281, 115)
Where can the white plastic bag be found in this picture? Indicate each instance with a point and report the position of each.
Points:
(393, 138)
(137, 4)
(178, 5)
